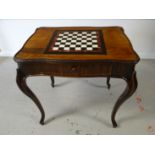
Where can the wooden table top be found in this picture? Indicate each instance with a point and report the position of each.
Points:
(117, 45)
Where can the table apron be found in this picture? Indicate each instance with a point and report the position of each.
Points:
(77, 69)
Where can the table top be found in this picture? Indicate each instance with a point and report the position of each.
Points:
(78, 44)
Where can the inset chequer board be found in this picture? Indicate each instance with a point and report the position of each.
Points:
(76, 42)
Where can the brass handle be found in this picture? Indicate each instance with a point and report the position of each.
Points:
(74, 68)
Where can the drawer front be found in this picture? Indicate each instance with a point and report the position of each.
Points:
(84, 69)
(76, 69)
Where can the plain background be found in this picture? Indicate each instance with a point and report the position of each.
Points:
(14, 33)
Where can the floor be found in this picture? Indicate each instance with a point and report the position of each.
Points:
(76, 106)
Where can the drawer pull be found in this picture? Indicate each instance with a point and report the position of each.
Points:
(74, 68)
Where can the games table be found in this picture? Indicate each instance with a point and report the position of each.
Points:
(78, 52)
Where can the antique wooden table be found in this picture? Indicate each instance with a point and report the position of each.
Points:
(78, 52)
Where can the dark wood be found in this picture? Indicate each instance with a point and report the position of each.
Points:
(119, 62)
(52, 81)
(130, 89)
(21, 82)
(108, 82)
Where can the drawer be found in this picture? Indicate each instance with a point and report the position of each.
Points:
(68, 69)
(85, 69)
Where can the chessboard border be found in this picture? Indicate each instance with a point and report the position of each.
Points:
(102, 50)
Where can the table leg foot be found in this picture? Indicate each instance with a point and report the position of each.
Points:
(21, 82)
(108, 82)
(52, 81)
(42, 121)
(114, 123)
(130, 89)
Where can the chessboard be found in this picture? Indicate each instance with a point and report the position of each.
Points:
(76, 42)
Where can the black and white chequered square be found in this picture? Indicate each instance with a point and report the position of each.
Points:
(76, 42)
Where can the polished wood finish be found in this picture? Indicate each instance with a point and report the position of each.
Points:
(119, 62)
(21, 82)
(129, 90)
(117, 44)
(108, 82)
(52, 81)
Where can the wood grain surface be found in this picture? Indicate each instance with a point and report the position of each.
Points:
(117, 45)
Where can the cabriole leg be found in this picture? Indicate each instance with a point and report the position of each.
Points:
(21, 82)
(52, 81)
(130, 89)
(108, 82)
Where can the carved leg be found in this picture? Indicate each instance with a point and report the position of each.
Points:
(21, 82)
(108, 82)
(130, 89)
(52, 81)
